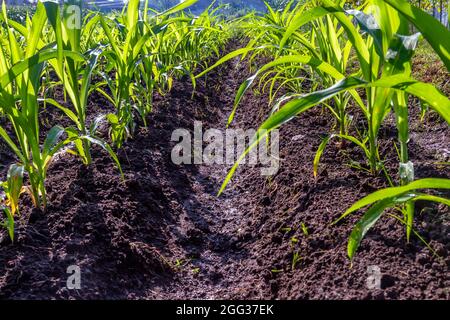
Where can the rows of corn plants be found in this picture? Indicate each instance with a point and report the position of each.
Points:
(325, 53)
(331, 55)
(125, 56)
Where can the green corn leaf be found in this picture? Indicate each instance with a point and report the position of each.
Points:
(112, 118)
(54, 17)
(112, 41)
(72, 21)
(17, 26)
(424, 91)
(69, 113)
(428, 197)
(180, 6)
(224, 59)
(391, 22)
(400, 52)
(432, 30)
(398, 60)
(333, 39)
(319, 153)
(300, 19)
(368, 24)
(132, 13)
(428, 183)
(15, 182)
(32, 61)
(325, 142)
(15, 51)
(313, 62)
(364, 224)
(329, 7)
(9, 223)
(53, 136)
(90, 27)
(260, 134)
(88, 70)
(393, 198)
(12, 145)
(95, 124)
(74, 136)
(38, 23)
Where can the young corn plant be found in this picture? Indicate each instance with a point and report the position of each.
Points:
(303, 53)
(191, 41)
(335, 50)
(12, 188)
(76, 75)
(325, 42)
(21, 66)
(394, 197)
(404, 197)
(124, 55)
(158, 61)
(384, 57)
(178, 44)
(323, 52)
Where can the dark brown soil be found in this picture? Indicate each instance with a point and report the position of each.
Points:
(163, 234)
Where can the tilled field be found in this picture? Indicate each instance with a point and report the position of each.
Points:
(162, 233)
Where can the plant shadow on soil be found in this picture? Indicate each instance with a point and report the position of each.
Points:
(163, 234)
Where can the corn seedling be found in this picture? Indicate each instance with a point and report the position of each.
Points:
(406, 195)
(122, 55)
(128, 55)
(296, 258)
(12, 188)
(304, 229)
(21, 67)
(383, 199)
(392, 87)
(379, 40)
(76, 75)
